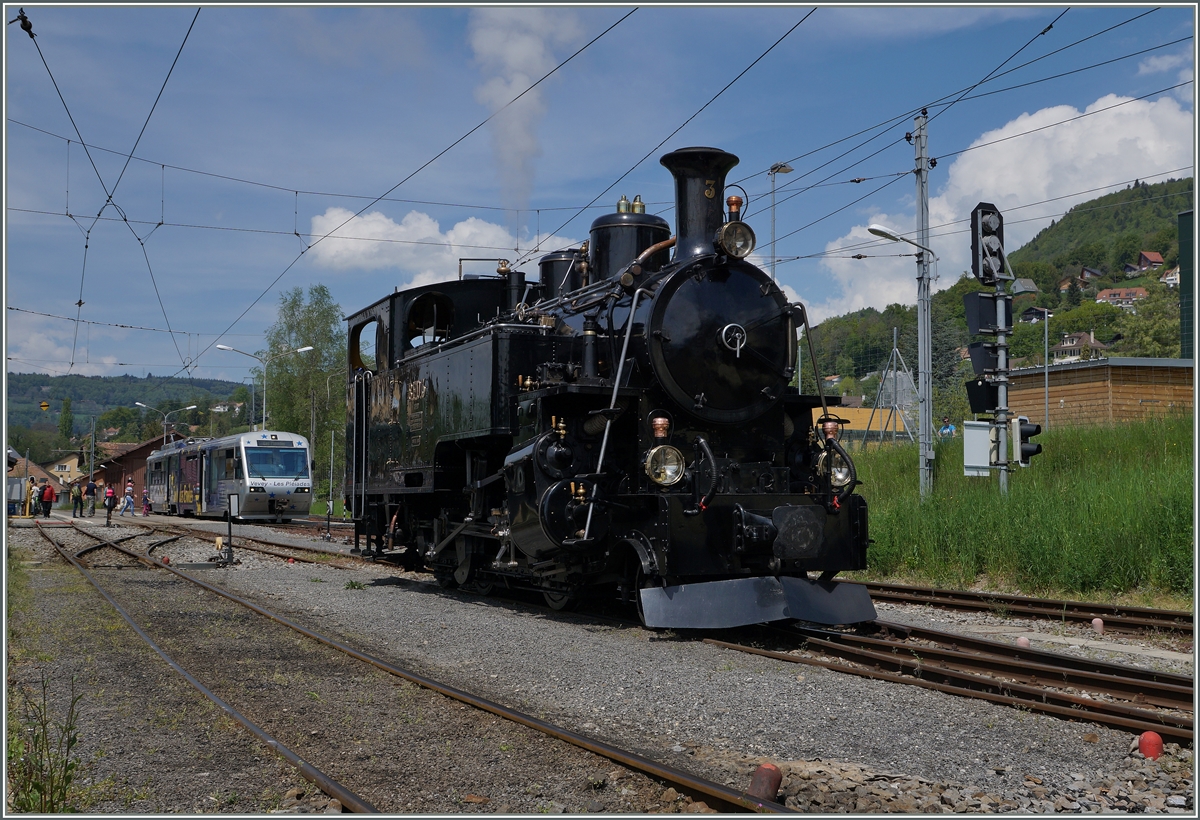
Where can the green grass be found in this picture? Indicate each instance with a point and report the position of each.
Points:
(1103, 510)
(319, 507)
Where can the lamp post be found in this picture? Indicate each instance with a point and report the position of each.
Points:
(165, 416)
(264, 363)
(924, 356)
(777, 168)
(1046, 361)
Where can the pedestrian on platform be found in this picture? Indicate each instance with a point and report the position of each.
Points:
(110, 504)
(89, 496)
(128, 501)
(76, 500)
(145, 501)
(48, 498)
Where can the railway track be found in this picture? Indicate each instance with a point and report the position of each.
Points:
(1115, 617)
(1108, 694)
(1112, 695)
(716, 795)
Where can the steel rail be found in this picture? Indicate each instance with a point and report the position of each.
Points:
(1036, 655)
(980, 687)
(309, 772)
(726, 797)
(1115, 616)
(1132, 688)
(1046, 692)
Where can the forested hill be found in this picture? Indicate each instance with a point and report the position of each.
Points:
(1108, 232)
(93, 395)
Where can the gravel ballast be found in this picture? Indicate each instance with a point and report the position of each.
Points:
(844, 743)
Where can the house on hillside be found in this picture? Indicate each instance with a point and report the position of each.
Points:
(1024, 286)
(1149, 260)
(1032, 315)
(1076, 347)
(1084, 278)
(66, 468)
(1171, 277)
(1122, 297)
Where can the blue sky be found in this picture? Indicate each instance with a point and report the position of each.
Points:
(277, 121)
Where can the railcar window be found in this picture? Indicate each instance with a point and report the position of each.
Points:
(276, 463)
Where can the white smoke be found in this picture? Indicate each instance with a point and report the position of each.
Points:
(514, 49)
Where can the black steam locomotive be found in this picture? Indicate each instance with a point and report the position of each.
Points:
(622, 426)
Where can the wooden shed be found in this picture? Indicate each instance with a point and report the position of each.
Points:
(1102, 390)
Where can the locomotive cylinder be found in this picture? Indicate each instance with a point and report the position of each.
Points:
(699, 193)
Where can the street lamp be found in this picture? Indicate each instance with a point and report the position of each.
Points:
(1046, 360)
(924, 355)
(165, 416)
(264, 363)
(777, 168)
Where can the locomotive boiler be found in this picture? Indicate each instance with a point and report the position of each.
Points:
(623, 426)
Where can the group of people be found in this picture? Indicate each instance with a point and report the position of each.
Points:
(84, 495)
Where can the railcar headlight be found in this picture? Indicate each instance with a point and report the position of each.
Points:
(838, 467)
(257, 490)
(665, 465)
(736, 239)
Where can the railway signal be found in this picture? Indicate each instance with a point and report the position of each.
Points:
(1023, 448)
(987, 244)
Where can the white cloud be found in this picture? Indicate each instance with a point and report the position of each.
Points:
(1164, 62)
(41, 344)
(1137, 140)
(416, 246)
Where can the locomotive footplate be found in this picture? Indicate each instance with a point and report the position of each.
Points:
(744, 601)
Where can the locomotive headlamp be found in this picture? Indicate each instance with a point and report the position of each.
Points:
(837, 466)
(736, 239)
(665, 465)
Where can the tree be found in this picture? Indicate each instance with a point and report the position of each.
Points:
(1074, 295)
(307, 390)
(1154, 330)
(66, 423)
(1125, 251)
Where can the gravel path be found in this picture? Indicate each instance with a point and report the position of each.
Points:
(844, 743)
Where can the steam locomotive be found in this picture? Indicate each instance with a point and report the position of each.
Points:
(623, 426)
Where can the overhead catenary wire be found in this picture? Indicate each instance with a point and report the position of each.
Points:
(109, 193)
(473, 206)
(963, 95)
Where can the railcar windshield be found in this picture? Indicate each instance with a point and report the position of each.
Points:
(277, 462)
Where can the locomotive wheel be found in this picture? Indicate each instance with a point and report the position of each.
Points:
(445, 579)
(561, 601)
(483, 588)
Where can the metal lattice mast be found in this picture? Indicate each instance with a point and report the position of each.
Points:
(924, 335)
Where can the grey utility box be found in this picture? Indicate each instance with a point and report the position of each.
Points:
(981, 448)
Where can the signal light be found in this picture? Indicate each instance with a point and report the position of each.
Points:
(1023, 448)
(987, 243)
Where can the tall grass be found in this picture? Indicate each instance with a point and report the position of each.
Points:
(1103, 509)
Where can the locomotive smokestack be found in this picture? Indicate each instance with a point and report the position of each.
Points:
(699, 195)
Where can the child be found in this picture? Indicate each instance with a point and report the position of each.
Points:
(145, 501)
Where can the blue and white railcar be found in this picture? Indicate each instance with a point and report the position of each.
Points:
(270, 472)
